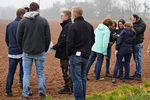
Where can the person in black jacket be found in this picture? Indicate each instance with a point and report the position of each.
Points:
(33, 37)
(139, 26)
(124, 48)
(80, 39)
(60, 48)
(15, 54)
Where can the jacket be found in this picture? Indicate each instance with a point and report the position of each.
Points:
(126, 40)
(33, 34)
(10, 37)
(139, 27)
(80, 38)
(102, 35)
(60, 47)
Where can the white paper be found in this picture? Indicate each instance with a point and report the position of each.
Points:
(78, 53)
(49, 49)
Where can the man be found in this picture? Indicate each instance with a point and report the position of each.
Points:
(139, 26)
(60, 48)
(33, 37)
(15, 54)
(80, 39)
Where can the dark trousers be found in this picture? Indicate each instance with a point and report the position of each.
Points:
(64, 64)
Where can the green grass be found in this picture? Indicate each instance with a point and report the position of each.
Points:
(124, 92)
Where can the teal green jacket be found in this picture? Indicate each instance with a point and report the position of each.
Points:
(102, 35)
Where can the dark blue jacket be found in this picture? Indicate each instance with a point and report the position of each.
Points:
(126, 40)
(10, 38)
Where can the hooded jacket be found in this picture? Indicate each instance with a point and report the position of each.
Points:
(126, 40)
(139, 27)
(60, 47)
(102, 35)
(33, 34)
(10, 38)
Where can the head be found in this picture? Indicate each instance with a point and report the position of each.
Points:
(34, 7)
(129, 25)
(20, 12)
(27, 9)
(134, 18)
(121, 23)
(114, 25)
(77, 12)
(65, 15)
(108, 22)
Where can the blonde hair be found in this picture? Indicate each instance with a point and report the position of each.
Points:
(108, 22)
(78, 11)
(67, 13)
(129, 25)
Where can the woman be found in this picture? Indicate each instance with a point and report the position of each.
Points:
(102, 34)
(124, 48)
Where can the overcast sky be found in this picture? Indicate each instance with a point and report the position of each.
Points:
(43, 3)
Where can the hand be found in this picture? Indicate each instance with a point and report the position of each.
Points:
(118, 35)
(51, 47)
(114, 36)
(116, 52)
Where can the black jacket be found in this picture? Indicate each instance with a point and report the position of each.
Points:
(10, 38)
(60, 47)
(112, 40)
(33, 35)
(80, 38)
(139, 27)
(126, 40)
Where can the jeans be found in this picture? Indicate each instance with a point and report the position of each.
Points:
(108, 58)
(12, 69)
(90, 61)
(98, 65)
(121, 68)
(127, 63)
(27, 66)
(137, 57)
(78, 74)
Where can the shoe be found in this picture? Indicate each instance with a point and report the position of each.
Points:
(124, 80)
(132, 77)
(9, 95)
(137, 77)
(119, 76)
(20, 85)
(113, 80)
(63, 91)
(43, 96)
(101, 79)
(23, 98)
(30, 91)
(87, 78)
(94, 74)
(107, 74)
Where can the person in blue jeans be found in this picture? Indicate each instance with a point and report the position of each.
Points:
(124, 48)
(139, 26)
(80, 38)
(33, 38)
(15, 53)
(102, 35)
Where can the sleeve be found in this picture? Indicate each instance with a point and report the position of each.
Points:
(141, 28)
(119, 40)
(47, 36)
(70, 40)
(7, 37)
(20, 33)
(106, 41)
(62, 42)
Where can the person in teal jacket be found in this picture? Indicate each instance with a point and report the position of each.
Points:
(102, 35)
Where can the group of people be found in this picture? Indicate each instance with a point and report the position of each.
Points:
(28, 38)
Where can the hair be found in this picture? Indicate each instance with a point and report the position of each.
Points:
(108, 22)
(67, 13)
(78, 11)
(136, 16)
(26, 8)
(20, 12)
(115, 23)
(129, 25)
(34, 6)
(122, 21)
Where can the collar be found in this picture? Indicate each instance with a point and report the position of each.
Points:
(78, 18)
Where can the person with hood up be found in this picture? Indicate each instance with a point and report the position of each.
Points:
(124, 48)
(102, 36)
(33, 37)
